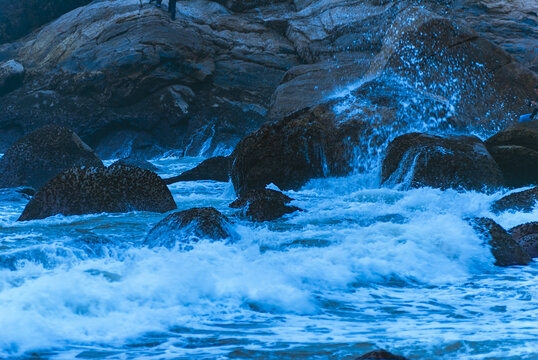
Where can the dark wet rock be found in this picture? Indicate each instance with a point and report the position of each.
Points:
(190, 226)
(380, 355)
(19, 18)
(217, 168)
(138, 162)
(519, 164)
(520, 201)
(516, 151)
(42, 154)
(526, 235)
(93, 190)
(460, 162)
(129, 80)
(11, 76)
(505, 249)
(264, 205)
(288, 153)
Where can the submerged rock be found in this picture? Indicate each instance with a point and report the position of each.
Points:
(135, 161)
(264, 205)
(97, 189)
(460, 162)
(380, 355)
(42, 154)
(526, 235)
(516, 152)
(216, 168)
(190, 226)
(505, 249)
(11, 76)
(520, 201)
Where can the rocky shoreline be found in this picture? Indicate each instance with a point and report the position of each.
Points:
(273, 94)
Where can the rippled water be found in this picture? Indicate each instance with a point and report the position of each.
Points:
(363, 267)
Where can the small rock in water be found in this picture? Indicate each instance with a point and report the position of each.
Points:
(97, 189)
(216, 168)
(460, 162)
(526, 235)
(42, 154)
(507, 251)
(520, 201)
(380, 355)
(264, 205)
(190, 226)
(135, 161)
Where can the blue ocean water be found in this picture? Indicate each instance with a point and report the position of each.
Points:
(363, 267)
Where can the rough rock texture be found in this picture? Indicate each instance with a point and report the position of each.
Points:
(264, 205)
(380, 355)
(18, 18)
(190, 226)
(11, 76)
(134, 161)
(95, 190)
(130, 80)
(217, 168)
(516, 151)
(42, 154)
(506, 251)
(460, 162)
(526, 235)
(519, 201)
(290, 152)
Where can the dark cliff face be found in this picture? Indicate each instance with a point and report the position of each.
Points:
(130, 81)
(19, 18)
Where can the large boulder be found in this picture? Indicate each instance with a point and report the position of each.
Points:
(264, 205)
(188, 226)
(93, 190)
(526, 235)
(19, 18)
(128, 79)
(11, 76)
(135, 161)
(217, 168)
(460, 162)
(380, 355)
(516, 151)
(42, 154)
(506, 251)
(519, 201)
(288, 153)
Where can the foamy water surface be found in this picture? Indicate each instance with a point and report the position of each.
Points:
(362, 267)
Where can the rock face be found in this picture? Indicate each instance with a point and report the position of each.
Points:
(506, 251)
(133, 161)
(190, 226)
(380, 355)
(98, 189)
(19, 18)
(519, 201)
(11, 76)
(460, 162)
(264, 205)
(526, 235)
(516, 152)
(290, 152)
(217, 168)
(42, 154)
(128, 79)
